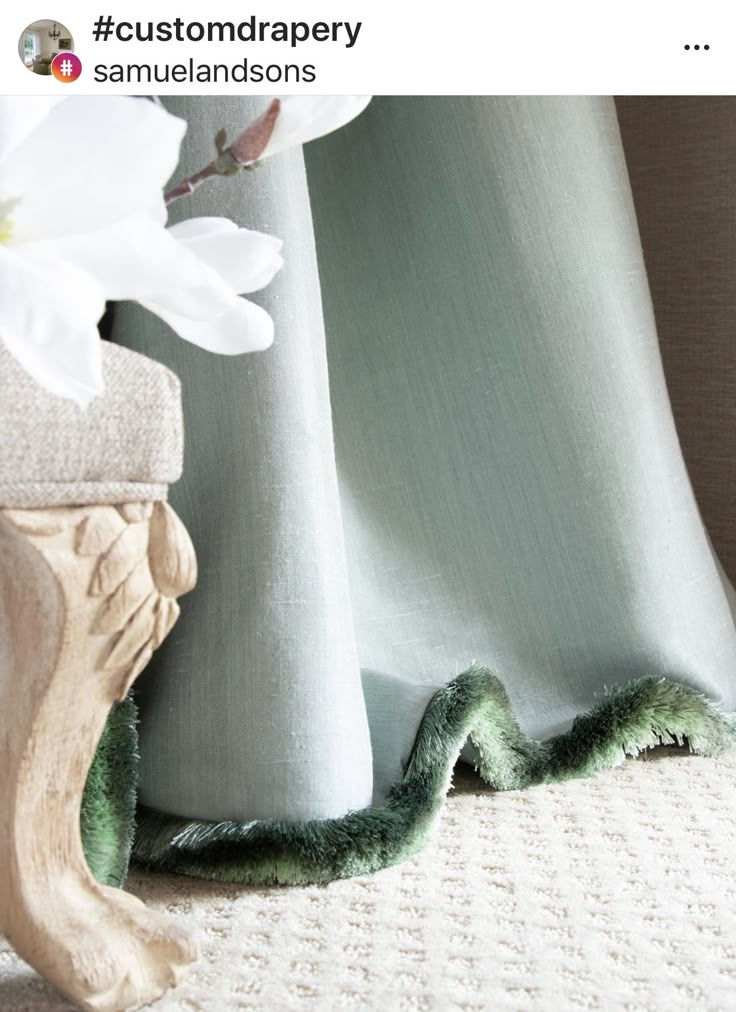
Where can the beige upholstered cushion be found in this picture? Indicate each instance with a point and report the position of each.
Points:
(126, 446)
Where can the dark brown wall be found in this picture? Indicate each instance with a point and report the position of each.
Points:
(681, 153)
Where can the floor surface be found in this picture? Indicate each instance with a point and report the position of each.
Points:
(615, 893)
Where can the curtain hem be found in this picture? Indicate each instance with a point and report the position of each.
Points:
(639, 715)
(109, 799)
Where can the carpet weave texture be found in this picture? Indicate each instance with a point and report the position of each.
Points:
(612, 893)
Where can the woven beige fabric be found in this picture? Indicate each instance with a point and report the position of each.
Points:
(42, 494)
(614, 893)
(127, 445)
(681, 152)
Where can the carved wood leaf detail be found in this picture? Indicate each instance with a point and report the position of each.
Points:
(145, 559)
(141, 559)
(129, 675)
(38, 523)
(97, 531)
(137, 630)
(167, 613)
(172, 558)
(126, 551)
(116, 610)
(135, 512)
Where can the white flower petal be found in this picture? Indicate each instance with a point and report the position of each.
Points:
(303, 118)
(244, 327)
(94, 161)
(20, 115)
(41, 296)
(203, 302)
(70, 367)
(192, 228)
(130, 259)
(48, 322)
(245, 260)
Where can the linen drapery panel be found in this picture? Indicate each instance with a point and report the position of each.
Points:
(450, 512)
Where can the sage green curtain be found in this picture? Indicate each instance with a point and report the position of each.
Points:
(471, 459)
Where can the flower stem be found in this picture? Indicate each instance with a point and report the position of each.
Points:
(247, 147)
(221, 166)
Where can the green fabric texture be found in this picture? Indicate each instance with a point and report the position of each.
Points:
(473, 459)
(109, 800)
(489, 469)
(642, 714)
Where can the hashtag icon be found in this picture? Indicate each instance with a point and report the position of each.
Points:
(67, 68)
(102, 29)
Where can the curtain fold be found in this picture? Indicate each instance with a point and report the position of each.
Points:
(253, 708)
(490, 477)
(513, 490)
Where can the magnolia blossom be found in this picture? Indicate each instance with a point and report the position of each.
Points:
(83, 221)
(286, 123)
(303, 118)
(298, 119)
(211, 315)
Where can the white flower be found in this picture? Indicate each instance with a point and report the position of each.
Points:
(237, 261)
(293, 120)
(72, 170)
(304, 118)
(82, 220)
(20, 116)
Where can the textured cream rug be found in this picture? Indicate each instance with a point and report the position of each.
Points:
(612, 893)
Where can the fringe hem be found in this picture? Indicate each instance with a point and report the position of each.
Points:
(474, 706)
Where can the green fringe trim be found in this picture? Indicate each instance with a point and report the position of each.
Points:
(109, 799)
(642, 714)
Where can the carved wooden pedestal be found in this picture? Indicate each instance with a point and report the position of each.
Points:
(86, 594)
